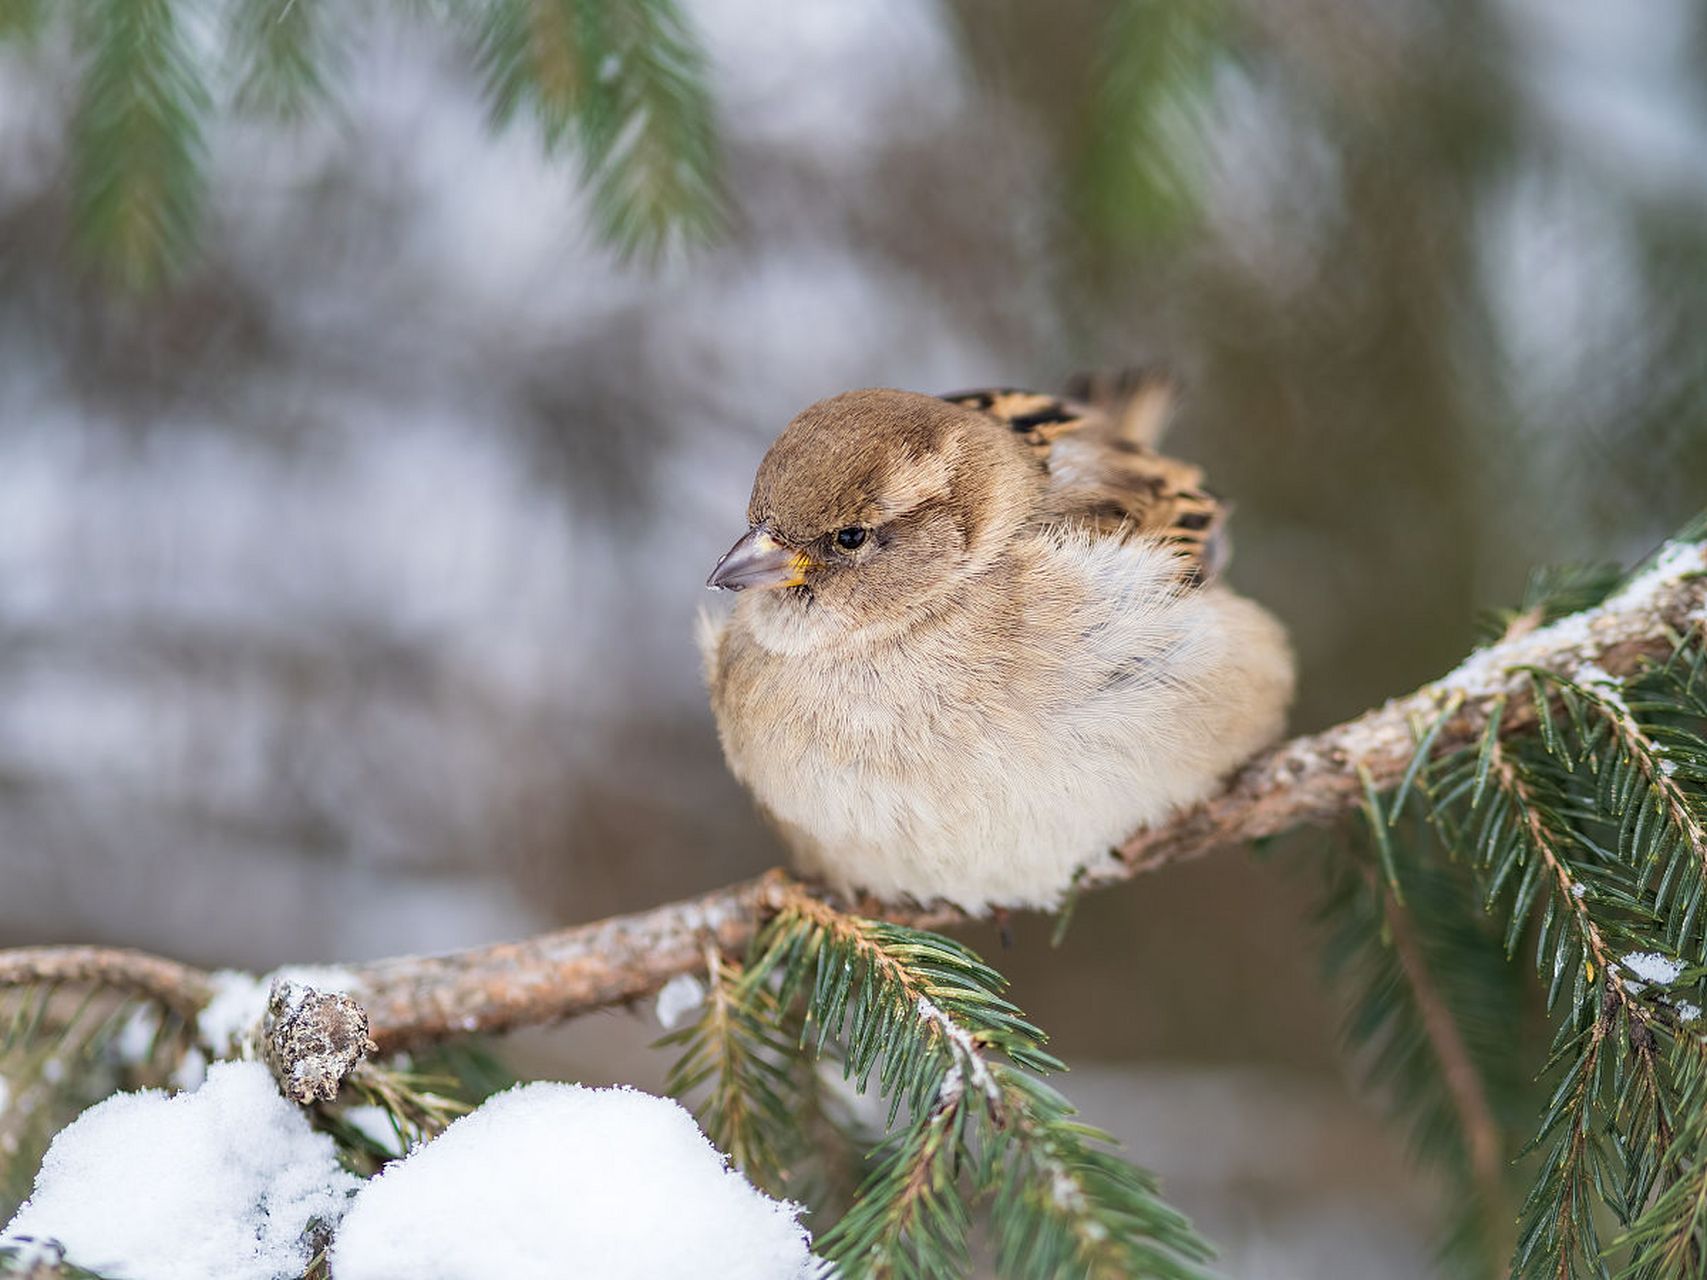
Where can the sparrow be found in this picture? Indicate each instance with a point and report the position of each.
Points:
(981, 639)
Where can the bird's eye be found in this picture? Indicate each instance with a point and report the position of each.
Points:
(851, 537)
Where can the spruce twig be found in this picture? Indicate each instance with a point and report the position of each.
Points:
(920, 1020)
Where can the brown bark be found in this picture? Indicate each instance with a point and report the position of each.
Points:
(177, 986)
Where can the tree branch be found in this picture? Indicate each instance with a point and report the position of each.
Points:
(1484, 1142)
(413, 1000)
(181, 988)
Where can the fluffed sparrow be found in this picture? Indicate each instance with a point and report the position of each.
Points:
(980, 641)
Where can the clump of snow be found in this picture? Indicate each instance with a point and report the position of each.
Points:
(1484, 671)
(1651, 966)
(1688, 1011)
(1594, 673)
(374, 1124)
(134, 1043)
(239, 1000)
(1065, 1191)
(191, 1069)
(1597, 679)
(219, 1184)
(1571, 644)
(967, 1058)
(548, 1180)
(681, 995)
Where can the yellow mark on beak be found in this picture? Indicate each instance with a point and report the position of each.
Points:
(760, 560)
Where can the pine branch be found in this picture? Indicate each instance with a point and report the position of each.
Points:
(1436, 1009)
(626, 81)
(543, 55)
(1141, 172)
(736, 1053)
(414, 1000)
(1522, 816)
(1670, 1237)
(922, 1019)
(63, 1048)
(909, 1220)
(622, 85)
(653, 156)
(415, 1102)
(137, 151)
(1660, 721)
(178, 987)
(418, 1104)
(1552, 592)
(1567, 827)
(280, 47)
(1066, 1206)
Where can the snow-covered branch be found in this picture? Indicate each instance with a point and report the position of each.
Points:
(1314, 778)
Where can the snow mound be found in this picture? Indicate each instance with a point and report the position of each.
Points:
(219, 1184)
(548, 1180)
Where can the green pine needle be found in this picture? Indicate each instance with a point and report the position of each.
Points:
(544, 55)
(921, 1019)
(1436, 1013)
(619, 85)
(64, 1048)
(624, 80)
(652, 149)
(280, 47)
(1141, 175)
(735, 1054)
(1588, 838)
(137, 148)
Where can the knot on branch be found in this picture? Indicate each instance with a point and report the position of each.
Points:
(311, 1040)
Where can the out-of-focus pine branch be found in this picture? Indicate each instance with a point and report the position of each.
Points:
(137, 145)
(21, 18)
(624, 83)
(1434, 1012)
(281, 51)
(619, 86)
(653, 157)
(1140, 175)
(64, 1048)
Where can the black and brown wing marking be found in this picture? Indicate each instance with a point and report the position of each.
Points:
(1038, 419)
(1105, 472)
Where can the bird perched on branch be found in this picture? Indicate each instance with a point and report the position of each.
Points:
(980, 640)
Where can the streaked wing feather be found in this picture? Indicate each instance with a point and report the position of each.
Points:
(1105, 474)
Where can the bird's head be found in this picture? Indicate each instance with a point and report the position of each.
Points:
(875, 505)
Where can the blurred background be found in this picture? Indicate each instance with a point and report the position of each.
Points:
(347, 577)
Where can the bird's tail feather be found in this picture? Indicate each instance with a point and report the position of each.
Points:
(1138, 400)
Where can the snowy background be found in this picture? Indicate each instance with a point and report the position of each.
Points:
(346, 591)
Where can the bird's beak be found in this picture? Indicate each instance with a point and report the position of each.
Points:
(759, 560)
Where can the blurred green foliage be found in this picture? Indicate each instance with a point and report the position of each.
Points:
(622, 81)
